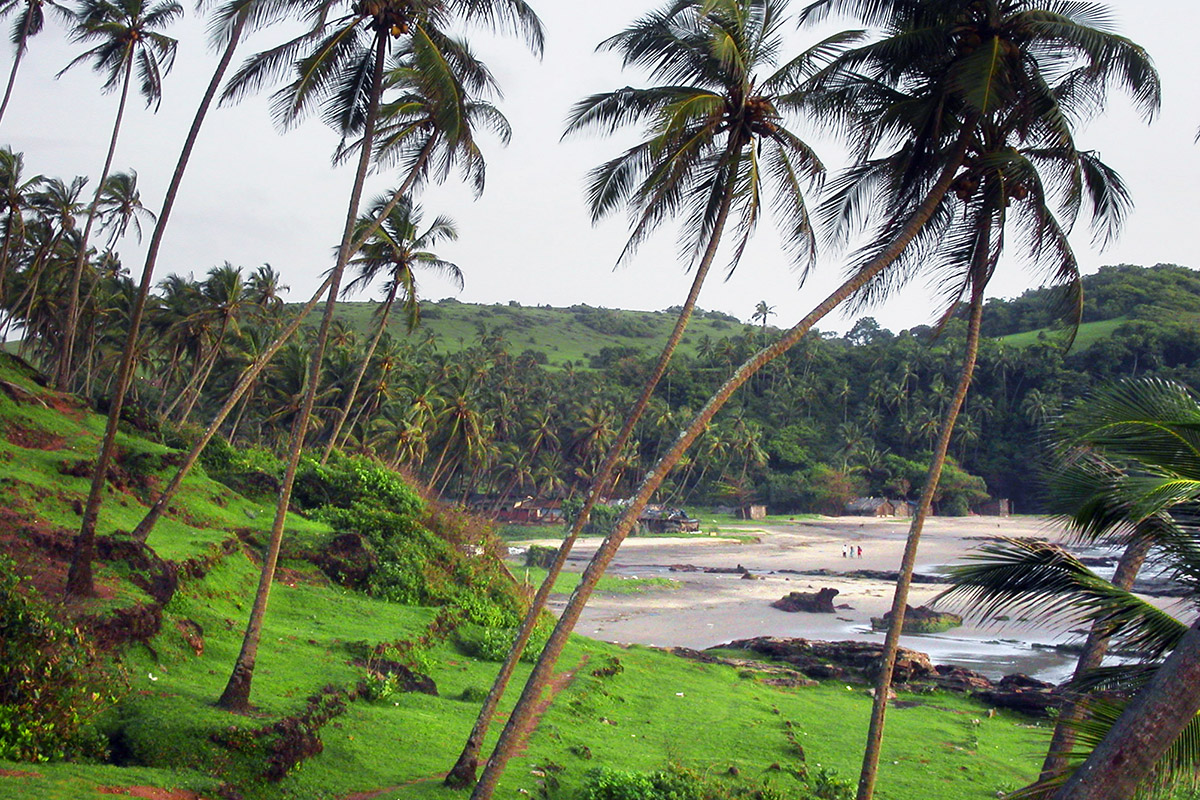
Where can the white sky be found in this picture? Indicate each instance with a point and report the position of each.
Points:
(254, 195)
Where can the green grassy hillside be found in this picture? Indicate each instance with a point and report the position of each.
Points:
(1088, 334)
(563, 334)
(331, 723)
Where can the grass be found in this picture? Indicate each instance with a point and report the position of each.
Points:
(1088, 334)
(559, 333)
(610, 584)
(625, 708)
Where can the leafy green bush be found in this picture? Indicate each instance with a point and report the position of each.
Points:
(346, 481)
(600, 522)
(45, 693)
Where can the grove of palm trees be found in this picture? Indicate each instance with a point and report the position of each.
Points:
(259, 522)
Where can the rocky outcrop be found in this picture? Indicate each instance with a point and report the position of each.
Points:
(849, 661)
(920, 620)
(857, 662)
(819, 602)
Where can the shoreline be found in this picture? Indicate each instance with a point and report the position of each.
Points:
(710, 608)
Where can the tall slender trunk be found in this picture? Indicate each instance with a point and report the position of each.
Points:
(1150, 723)
(463, 772)
(891, 642)
(1094, 649)
(362, 370)
(80, 582)
(66, 364)
(85, 542)
(520, 718)
(244, 384)
(12, 75)
(236, 696)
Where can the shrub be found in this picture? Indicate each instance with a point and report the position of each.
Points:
(540, 556)
(346, 481)
(46, 696)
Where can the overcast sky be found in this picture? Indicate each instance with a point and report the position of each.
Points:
(256, 195)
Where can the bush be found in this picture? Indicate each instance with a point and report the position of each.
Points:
(600, 522)
(46, 696)
(540, 556)
(346, 481)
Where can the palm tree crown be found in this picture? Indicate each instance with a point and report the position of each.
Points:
(716, 128)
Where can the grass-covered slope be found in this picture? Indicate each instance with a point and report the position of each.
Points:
(338, 714)
(575, 334)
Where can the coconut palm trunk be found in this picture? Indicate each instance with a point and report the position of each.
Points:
(1150, 723)
(63, 373)
(883, 681)
(236, 696)
(85, 543)
(80, 581)
(1094, 649)
(463, 772)
(20, 54)
(519, 720)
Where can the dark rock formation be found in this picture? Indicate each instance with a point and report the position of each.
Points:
(857, 662)
(851, 661)
(920, 620)
(820, 602)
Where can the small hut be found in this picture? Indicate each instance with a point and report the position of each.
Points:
(999, 507)
(871, 507)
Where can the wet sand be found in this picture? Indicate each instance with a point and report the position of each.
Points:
(709, 609)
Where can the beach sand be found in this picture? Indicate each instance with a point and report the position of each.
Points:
(709, 609)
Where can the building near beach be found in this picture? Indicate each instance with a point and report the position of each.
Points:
(876, 507)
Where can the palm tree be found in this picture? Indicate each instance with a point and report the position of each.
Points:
(396, 248)
(916, 180)
(339, 66)
(232, 20)
(17, 193)
(28, 24)
(763, 312)
(1127, 472)
(1023, 153)
(716, 132)
(121, 206)
(127, 32)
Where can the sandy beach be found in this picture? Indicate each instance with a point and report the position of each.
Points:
(708, 609)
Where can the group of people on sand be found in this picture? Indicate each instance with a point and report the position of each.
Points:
(852, 551)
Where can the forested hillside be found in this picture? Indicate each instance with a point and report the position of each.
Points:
(837, 417)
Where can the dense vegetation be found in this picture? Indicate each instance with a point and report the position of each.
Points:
(478, 414)
(126, 688)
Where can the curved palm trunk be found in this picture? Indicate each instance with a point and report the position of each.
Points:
(1150, 723)
(1094, 649)
(66, 364)
(520, 718)
(891, 642)
(362, 370)
(236, 696)
(85, 546)
(80, 582)
(463, 772)
(12, 75)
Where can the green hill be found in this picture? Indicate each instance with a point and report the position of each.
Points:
(575, 334)
(133, 686)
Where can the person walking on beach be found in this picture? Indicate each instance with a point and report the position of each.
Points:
(860, 551)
